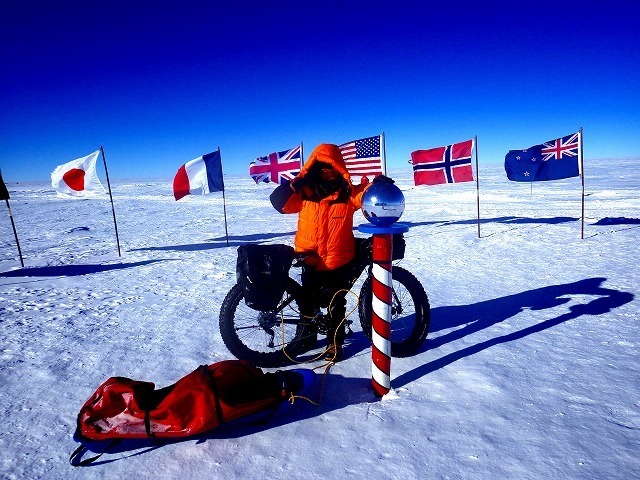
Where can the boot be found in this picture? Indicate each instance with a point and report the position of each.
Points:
(334, 353)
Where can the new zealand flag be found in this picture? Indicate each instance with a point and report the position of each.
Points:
(551, 160)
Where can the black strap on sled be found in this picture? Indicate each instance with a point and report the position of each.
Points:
(78, 452)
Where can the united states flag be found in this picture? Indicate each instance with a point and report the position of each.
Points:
(276, 167)
(450, 164)
(363, 157)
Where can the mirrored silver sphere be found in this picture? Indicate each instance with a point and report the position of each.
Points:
(383, 204)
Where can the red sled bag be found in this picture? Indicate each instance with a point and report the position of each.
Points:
(206, 398)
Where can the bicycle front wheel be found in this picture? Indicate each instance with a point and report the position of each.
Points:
(263, 338)
(410, 312)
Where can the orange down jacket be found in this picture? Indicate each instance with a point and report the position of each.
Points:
(325, 226)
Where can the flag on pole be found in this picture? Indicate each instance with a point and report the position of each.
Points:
(4, 193)
(450, 164)
(551, 160)
(363, 157)
(199, 176)
(276, 167)
(78, 178)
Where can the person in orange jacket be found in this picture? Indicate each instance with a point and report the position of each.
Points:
(326, 200)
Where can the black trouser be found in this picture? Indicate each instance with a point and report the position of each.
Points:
(319, 288)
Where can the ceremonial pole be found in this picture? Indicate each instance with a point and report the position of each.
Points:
(4, 195)
(477, 183)
(382, 287)
(582, 177)
(382, 205)
(301, 155)
(383, 151)
(224, 202)
(15, 232)
(113, 210)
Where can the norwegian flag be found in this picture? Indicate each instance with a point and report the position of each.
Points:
(363, 157)
(277, 167)
(450, 164)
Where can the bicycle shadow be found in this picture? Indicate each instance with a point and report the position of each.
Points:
(475, 317)
(346, 391)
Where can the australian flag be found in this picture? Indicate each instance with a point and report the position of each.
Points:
(450, 164)
(551, 160)
(276, 167)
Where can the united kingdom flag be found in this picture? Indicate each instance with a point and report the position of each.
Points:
(276, 167)
(561, 147)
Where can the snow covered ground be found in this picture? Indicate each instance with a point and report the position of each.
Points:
(531, 369)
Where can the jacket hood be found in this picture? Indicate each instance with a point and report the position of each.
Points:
(330, 154)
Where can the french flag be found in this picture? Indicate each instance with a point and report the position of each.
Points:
(199, 176)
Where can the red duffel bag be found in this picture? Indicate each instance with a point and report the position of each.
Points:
(204, 399)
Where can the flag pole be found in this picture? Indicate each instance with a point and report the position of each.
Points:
(384, 154)
(301, 155)
(113, 210)
(582, 176)
(477, 184)
(15, 232)
(224, 202)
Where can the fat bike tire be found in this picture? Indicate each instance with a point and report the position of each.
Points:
(262, 337)
(410, 312)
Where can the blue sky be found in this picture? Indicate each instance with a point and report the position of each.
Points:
(160, 85)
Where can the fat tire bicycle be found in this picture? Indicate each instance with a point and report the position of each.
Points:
(275, 336)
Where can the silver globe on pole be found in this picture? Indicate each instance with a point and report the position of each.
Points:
(383, 204)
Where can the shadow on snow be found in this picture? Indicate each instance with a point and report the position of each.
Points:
(478, 316)
(237, 240)
(72, 270)
(220, 242)
(341, 391)
(618, 221)
(507, 220)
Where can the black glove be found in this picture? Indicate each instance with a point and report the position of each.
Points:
(298, 182)
(382, 179)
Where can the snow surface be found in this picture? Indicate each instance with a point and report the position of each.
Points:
(530, 370)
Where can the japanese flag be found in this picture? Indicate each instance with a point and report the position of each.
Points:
(78, 177)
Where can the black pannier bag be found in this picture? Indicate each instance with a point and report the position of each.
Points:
(262, 272)
(399, 245)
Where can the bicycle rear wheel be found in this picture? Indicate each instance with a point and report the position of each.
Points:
(262, 337)
(410, 312)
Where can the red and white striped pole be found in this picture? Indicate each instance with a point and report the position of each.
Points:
(382, 288)
(381, 314)
(382, 205)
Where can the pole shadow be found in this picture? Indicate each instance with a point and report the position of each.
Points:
(475, 317)
(617, 221)
(73, 270)
(504, 220)
(218, 242)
